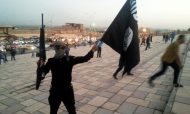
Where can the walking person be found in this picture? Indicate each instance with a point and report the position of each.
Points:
(61, 68)
(99, 51)
(172, 36)
(33, 53)
(143, 40)
(90, 41)
(13, 53)
(170, 58)
(166, 38)
(1, 56)
(5, 55)
(150, 38)
(147, 42)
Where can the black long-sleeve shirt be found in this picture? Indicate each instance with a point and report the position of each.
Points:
(61, 69)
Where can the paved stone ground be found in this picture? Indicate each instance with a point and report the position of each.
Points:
(96, 92)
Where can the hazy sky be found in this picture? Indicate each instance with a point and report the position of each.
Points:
(151, 13)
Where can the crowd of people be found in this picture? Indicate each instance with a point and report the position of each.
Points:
(146, 40)
(3, 55)
(169, 37)
(13, 50)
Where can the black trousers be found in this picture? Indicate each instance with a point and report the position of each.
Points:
(99, 52)
(13, 57)
(66, 96)
(164, 66)
(147, 46)
(118, 69)
(126, 70)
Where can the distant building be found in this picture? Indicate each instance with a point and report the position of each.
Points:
(73, 27)
(4, 32)
(5, 29)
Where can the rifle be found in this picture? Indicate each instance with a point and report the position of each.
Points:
(42, 56)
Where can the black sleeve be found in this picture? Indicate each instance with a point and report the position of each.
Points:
(46, 67)
(82, 59)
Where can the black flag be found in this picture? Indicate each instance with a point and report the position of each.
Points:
(122, 35)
